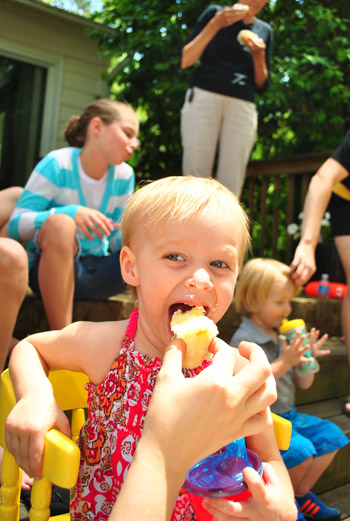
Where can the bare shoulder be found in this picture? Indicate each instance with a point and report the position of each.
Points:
(99, 344)
(89, 347)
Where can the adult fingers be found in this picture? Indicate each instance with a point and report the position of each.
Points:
(257, 422)
(224, 358)
(173, 358)
(259, 364)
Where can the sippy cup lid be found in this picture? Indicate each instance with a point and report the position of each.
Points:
(291, 324)
(221, 474)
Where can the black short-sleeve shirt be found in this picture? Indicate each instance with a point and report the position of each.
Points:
(226, 67)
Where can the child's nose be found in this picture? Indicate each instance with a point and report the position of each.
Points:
(200, 279)
(135, 143)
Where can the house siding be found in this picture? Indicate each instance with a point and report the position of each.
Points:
(42, 35)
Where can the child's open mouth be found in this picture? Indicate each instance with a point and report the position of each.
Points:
(183, 307)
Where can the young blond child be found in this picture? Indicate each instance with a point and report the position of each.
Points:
(263, 296)
(184, 240)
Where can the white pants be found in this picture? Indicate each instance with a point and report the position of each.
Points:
(210, 119)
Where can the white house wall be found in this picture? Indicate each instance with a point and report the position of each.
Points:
(43, 35)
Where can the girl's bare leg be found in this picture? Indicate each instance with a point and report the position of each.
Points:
(56, 268)
(8, 200)
(313, 473)
(13, 286)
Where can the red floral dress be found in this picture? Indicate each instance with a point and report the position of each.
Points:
(116, 412)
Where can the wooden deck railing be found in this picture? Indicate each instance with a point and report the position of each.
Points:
(273, 196)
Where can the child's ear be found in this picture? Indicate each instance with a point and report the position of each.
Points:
(95, 125)
(128, 266)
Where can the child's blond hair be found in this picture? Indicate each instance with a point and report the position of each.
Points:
(255, 283)
(178, 199)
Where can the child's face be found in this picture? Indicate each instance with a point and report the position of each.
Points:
(179, 265)
(277, 305)
(118, 140)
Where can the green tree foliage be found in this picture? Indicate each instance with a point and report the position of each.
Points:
(305, 109)
(145, 52)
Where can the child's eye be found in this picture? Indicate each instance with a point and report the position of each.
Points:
(128, 133)
(218, 264)
(175, 257)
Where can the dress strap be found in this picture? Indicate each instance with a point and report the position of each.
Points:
(132, 325)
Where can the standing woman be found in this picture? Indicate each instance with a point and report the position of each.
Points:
(220, 103)
(329, 187)
(71, 207)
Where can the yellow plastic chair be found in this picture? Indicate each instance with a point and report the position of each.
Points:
(61, 454)
(283, 431)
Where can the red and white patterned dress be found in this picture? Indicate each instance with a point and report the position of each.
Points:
(108, 439)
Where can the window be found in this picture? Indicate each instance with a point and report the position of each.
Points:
(22, 94)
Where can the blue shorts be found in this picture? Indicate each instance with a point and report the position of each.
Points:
(311, 436)
(96, 278)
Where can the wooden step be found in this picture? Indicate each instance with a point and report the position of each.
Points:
(32, 319)
(338, 473)
(323, 314)
(338, 498)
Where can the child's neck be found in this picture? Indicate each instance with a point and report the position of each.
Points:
(92, 165)
(264, 327)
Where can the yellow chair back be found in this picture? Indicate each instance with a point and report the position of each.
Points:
(61, 454)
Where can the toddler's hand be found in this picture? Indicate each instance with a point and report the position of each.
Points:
(26, 427)
(263, 505)
(293, 353)
(315, 344)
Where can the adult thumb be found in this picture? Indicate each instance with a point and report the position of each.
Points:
(173, 356)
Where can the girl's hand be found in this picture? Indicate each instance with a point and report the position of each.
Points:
(292, 353)
(264, 504)
(91, 221)
(315, 344)
(26, 427)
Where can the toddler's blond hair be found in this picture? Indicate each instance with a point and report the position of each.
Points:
(180, 198)
(255, 283)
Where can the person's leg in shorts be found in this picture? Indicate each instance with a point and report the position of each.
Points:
(200, 129)
(314, 444)
(97, 278)
(89, 278)
(55, 268)
(237, 139)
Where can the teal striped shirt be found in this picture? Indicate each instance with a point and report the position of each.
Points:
(54, 187)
